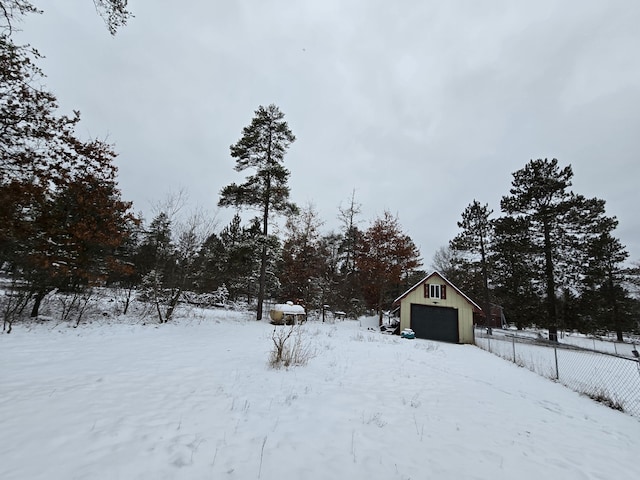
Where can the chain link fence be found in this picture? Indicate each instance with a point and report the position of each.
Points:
(613, 379)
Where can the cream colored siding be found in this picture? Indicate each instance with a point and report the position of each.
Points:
(453, 300)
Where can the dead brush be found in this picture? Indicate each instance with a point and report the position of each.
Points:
(290, 348)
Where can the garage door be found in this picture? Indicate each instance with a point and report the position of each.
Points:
(435, 323)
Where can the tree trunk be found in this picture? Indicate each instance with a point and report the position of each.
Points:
(157, 302)
(263, 260)
(551, 284)
(485, 282)
(127, 299)
(172, 305)
(37, 300)
(263, 276)
(617, 324)
(619, 336)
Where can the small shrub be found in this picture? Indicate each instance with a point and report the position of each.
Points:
(12, 303)
(290, 348)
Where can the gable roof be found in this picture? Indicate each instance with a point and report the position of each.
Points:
(471, 302)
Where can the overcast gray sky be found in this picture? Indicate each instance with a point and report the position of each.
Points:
(420, 106)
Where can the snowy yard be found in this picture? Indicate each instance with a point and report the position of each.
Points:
(196, 400)
(613, 379)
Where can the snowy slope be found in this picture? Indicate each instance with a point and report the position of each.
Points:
(196, 400)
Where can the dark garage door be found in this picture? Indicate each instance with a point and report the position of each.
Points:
(435, 323)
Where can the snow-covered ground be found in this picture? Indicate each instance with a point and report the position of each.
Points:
(614, 379)
(196, 400)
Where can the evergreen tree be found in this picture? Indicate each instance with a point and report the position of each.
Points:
(560, 224)
(156, 263)
(209, 265)
(156, 250)
(241, 257)
(475, 241)
(605, 297)
(262, 148)
(516, 287)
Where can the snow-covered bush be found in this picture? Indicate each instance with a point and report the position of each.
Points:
(219, 298)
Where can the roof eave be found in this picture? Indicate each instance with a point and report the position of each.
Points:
(435, 272)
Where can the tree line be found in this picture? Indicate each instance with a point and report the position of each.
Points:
(62, 218)
(350, 270)
(551, 259)
(65, 228)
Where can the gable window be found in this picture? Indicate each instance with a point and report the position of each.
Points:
(435, 291)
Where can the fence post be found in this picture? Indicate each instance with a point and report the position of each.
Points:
(555, 353)
(513, 339)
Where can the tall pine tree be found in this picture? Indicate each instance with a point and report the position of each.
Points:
(560, 225)
(475, 241)
(262, 148)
